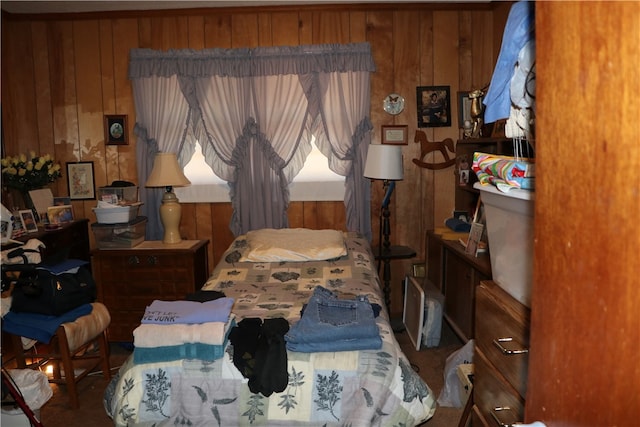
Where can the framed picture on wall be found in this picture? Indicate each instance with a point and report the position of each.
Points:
(80, 181)
(394, 134)
(434, 106)
(115, 129)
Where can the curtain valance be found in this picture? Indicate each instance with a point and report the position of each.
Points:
(260, 61)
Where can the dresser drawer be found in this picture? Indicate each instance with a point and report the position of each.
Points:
(496, 400)
(502, 333)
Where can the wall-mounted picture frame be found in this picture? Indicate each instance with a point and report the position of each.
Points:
(464, 109)
(434, 106)
(81, 181)
(395, 134)
(115, 129)
(28, 221)
(60, 214)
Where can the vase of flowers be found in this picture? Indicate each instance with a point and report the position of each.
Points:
(25, 174)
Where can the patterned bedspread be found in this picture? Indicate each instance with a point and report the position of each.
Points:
(349, 388)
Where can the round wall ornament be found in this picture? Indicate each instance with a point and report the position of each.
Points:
(393, 104)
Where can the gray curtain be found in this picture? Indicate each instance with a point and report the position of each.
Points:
(254, 112)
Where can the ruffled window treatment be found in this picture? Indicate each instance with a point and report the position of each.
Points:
(255, 112)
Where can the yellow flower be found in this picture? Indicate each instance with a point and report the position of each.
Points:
(29, 174)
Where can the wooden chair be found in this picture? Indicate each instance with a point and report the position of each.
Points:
(73, 342)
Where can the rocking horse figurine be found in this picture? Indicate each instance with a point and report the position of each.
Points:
(427, 147)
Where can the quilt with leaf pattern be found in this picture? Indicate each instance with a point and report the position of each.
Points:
(346, 388)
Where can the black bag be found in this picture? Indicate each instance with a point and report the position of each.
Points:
(40, 291)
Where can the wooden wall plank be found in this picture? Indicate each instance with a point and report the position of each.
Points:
(244, 30)
(305, 26)
(195, 28)
(217, 31)
(285, 29)
(89, 99)
(265, 32)
(125, 37)
(330, 27)
(446, 65)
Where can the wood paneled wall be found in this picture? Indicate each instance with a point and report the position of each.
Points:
(62, 73)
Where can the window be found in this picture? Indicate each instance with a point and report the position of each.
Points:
(314, 182)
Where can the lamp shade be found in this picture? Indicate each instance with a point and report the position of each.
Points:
(166, 172)
(384, 162)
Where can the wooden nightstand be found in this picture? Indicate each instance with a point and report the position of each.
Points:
(129, 280)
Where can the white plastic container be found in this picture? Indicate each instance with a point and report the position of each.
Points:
(510, 233)
(116, 214)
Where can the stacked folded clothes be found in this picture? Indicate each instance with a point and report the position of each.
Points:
(173, 330)
(332, 324)
(504, 172)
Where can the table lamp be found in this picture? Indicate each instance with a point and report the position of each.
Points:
(167, 173)
(385, 162)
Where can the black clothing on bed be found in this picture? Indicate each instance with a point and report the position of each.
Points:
(271, 359)
(204, 296)
(260, 354)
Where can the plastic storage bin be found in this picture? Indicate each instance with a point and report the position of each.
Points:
(118, 195)
(510, 234)
(120, 236)
(117, 214)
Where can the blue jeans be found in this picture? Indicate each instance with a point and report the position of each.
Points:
(332, 324)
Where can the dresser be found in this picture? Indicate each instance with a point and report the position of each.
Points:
(71, 240)
(501, 357)
(129, 280)
(457, 275)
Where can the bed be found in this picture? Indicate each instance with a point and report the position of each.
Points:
(371, 387)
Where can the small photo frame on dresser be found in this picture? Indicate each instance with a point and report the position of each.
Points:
(28, 221)
(60, 214)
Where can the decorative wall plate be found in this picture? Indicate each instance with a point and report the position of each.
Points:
(393, 104)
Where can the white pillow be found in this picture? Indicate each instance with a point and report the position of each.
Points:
(294, 244)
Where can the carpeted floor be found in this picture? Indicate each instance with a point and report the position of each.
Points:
(56, 412)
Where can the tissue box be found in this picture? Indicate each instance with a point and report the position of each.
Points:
(120, 236)
(118, 195)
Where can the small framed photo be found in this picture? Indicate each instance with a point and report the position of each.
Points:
(60, 214)
(395, 134)
(434, 106)
(80, 181)
(28, 221)
(61, 201)
(464, 109)
(115, 129)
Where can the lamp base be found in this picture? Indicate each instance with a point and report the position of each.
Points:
(170, 214)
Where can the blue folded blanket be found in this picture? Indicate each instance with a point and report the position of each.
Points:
(40, 327)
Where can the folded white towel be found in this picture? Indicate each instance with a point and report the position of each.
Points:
(153, 335)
